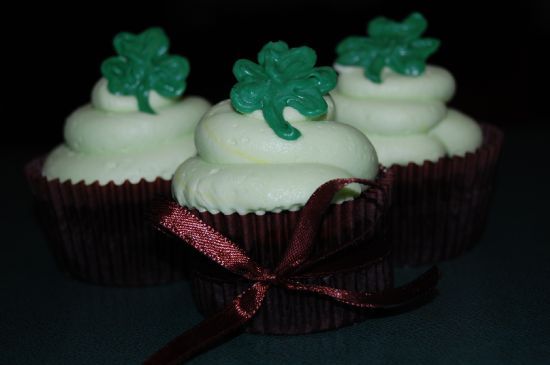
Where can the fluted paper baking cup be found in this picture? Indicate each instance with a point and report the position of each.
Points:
(100, 234)
(439, 210)
(265, 237)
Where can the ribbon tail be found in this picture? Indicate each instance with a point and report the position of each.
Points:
(199, 338)
(213, 330)
(389, 298)
(420, 287)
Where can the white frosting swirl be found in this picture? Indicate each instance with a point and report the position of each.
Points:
(435, 83)
(242, 166)
(110, 140)
(103, 99)
(405, 117)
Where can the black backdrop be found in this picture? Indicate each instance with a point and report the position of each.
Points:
(493, 302)
(57, 50)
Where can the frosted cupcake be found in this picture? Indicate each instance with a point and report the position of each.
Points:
(260, 157)
(443, 160)
(119, 152)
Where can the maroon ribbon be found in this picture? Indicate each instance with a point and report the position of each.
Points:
(184, 224)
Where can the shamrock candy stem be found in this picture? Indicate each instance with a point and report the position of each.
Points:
(142, 96)
(273, 114)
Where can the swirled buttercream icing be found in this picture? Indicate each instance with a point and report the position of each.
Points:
(136, 126)
(406, 118)
(274, 142)
(242, 166)
(104, 144)
(386, 91)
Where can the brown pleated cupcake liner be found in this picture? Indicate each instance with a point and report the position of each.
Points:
(265, 237)
(286, 312)
(356, 224)
(100, 234)
(439, 210)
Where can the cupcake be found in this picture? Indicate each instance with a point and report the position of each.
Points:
(444, 162)
(261, 155)
(119, 152)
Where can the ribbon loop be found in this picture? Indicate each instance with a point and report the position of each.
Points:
(301, 243)
(182, 223)
(185, 225)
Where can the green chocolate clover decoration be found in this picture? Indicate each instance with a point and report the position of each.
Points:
(143, 64)
(390, 44)
(283, 77)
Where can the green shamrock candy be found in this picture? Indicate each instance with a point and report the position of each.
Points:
(390, 44)
(143, 64)
(283, 77)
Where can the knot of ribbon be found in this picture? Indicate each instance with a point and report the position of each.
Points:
(184, 224)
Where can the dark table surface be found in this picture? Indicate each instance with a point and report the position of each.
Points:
(492, 306)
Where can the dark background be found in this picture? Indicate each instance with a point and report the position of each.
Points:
(57, 51)
(493, 302)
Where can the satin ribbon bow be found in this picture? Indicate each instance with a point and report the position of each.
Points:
(184, 224)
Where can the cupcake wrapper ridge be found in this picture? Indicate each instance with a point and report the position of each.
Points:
(265, 239)
(100, 233)
(440, 209)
